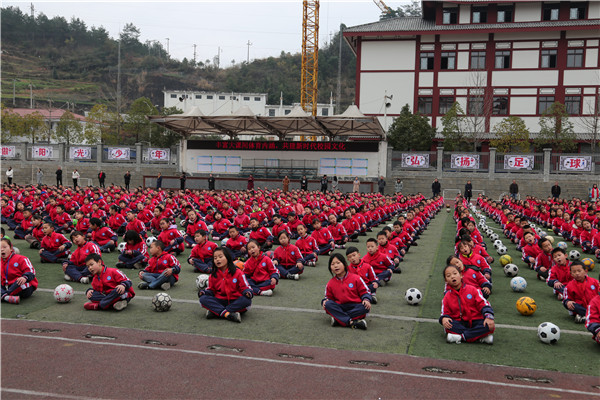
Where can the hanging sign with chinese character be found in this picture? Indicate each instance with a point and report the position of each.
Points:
(159, 154)
(518, 162)
(464, 161)
(415, 160)
(81, 153)
(9, 151)
(118, 153)
(575, 163)
(42, 151)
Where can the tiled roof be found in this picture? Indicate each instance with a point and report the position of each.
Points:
(416, 24)
(54, 113)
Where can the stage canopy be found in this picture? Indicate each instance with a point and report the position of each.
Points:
(352, 123)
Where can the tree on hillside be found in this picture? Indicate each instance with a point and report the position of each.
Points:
(11, 125)
(454, 129)
(102, 126)
(411, 132)
(408, 10)
(33, 126)
(69, 129)
(556, 131)
(512, 135)
(136, 123)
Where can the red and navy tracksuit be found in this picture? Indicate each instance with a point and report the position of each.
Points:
(136, 253)
(14, 267)
(236, 245)
(543, 260)
(117, 223)
(105, 238)
(324, 240)
(478, 261)
(472, 276)
(154, 273)
(592, 318)
(259, 271)
(201, 257)
(586, 239)
(103, 288)
(138, 226)
(263, 236)
(50, 247)
(226, 292)
(309, 248)
(172, 234)
(560, 273)
(468, 309)
(76, 268)
(382, 264)
(191, 228)
(366, 272)
(344, 297)
(23, 229)
(287, 257)
(581, 293)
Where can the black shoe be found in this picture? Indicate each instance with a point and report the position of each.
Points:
(414, 244)
(210, 315)
(397, 270)
(121, 265)
(373, 299)
(235, 317)
(143, 285)
(35, 245)
(359, 324)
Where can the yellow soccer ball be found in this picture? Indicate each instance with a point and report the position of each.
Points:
(588, 263)
(526, 305)
(505, 259)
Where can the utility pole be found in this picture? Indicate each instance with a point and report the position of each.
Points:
(338, 94)
(119, 90)
(30, 96)
(32, 11)
(194, 54)
(248, 54)
(218, 57)
(168, 47)
(14, 92)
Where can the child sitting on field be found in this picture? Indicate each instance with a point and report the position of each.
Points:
(162, 271)
(110, 287)
(592, 318)
(171, 237)
(236, 243)
(308, 246)
(261, 274)
(560, 273)
(18, 274)
(365, 271)
(580, 291)
(471, 276)
(202, 253)
(55, 246)
(382, 264)
(466, 314)
(135, 254)
(287, 258)
(75, 268)
(323, 237)
(468, 257)
(347, 297)
(543, 261)
(102, 235)
(227, 294)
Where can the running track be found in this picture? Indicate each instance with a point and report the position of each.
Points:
(72, 361)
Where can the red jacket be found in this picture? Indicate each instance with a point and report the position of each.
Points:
(581, 293)
(116, 221)
(80, 253)
(191, 228)
(110, 278)
(203, 251)
(260, 269)
(227, 286)
(83, 225)
(587, 236)
(61, 219)
(322, 236)
(138, 226)
(559, 273)
(222, 225)
(281, 227)
(348, 289)
(338, 232)
(379, 261)
(364, 270)
(475, 260)
(288, 255)
(531, 250)
(474, 278)
(157, 265)
(237, 243)
(138, 249)
(169, 234)
(261, 235)
(103, 235)
(389, 250)
(307, 244)
(242, 221)
(351, 225)
(592, 317)
(16, 266)
(465, 304)
(54, 241)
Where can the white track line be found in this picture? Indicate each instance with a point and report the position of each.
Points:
(47, 394)
(314, 311)
(311, 365)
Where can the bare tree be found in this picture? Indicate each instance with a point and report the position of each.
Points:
(479, 108)
(589, 123)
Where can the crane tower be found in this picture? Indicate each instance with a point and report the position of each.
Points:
(310, 56)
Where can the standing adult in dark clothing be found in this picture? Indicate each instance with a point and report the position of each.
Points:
(468, 191)
(250, 182)
(59, 176)
(555, 191)
(304, 183)
(324, 184)
(513, 189)
(159, 181)
(211, 182)
(436, 187)
(381, 185)
(101, 178)
(182, 180)
(127, 178)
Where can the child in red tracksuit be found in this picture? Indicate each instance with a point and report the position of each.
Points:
(347, 297)
(365, 271)
(323, 237)
(543, 262)
(75, 269)
(580, 291)
(531, 250)
(228, 293)
(466, 314)
(18, 274)
(202, 253)
(592, 318)
(261, 274)
(162, 271)
(338, 232)
(236, 243)
(468, 257)
(135, 254)
(287, 258)
(308, 246)
(382, 264)
(560, 273)
(260, 234)
(171, 237)
(390, 251)
(193, 225)
(470, 276)
(110, 287)
(54, 246)
(102, 235)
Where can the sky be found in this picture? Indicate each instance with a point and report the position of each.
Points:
(270, 26)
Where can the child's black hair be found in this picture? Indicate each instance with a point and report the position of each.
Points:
(339, 257)
(230, 265)
(558, 249)
(541, 241)
(133, 236)
(450, 258)
(449, 266)
(200, 232)
(74, 234)
(96, 221)
(283, 232)
(253, 241)
(528, 233)
(351, 250)
(373, 240)
(93, 256)
(386, 229)
(382, 233)
(159, 243)
(578, 262)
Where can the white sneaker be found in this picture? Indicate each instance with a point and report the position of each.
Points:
(85, 280)
(334, 322)
(268, 292)
(560, 297)
(67, 278)
(489, 339)
(452, 338)
(120, 305)
(165, 286)
(579, 319)
(294, 276)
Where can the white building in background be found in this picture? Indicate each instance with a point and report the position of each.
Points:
(222, 103)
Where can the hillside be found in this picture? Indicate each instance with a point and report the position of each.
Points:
(65, 61)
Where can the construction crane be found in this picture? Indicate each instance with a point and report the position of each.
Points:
(382, 6)
(310, 56)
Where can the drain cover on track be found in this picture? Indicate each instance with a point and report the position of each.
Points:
(101, 337)
(528, 379)
(228, 348)
(157, 343)
(439, 370)
(369, 363)
(43, 330)
(296, 356)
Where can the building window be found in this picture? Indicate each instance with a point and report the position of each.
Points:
(475, 106)
(502, 59)
(324, 112)
(544, 103)
(479, 15)
(574, 58)
(577, 11)
(551, 11)
(548, 59)
(446, 104)
(573, 104)
(257, 99)
(500, 106)
(198, 96)
(478, 60)
(173, 96)
(271, 112)
(424, 105)
(450, 15)
(232, 97)
(448, 61)
(246, 98)
(221, 97)
(286, 112)
(505, 14)
(426, 61)
(209, 97)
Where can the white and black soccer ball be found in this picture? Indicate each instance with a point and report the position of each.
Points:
(532, 225)
(201, 281)
(574, 255)
(121, 247)
(150, 240)
(182, 232)
(63, 293)
(548, 332)
(183, 222)
(162, 302)
(511, 270)
(210, 228)
(413, 296)
(494, 236)
(518, 284)
(224, 241)
(490, 232)
(498, 243)
(502, 250)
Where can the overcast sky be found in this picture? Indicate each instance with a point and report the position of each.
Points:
(271, 26)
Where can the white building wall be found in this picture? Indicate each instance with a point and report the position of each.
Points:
(464, 14)
(525, 78)
(528, 11)
(542, 35)
(374, 86)
(593, 9)
(523, 105)
(591, 58)
(425, 79)
(526, 59)
(462, 60)
(457, 78)
(581, 77)
(398, 55)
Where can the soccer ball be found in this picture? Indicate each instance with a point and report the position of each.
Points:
(505, 259)
(489, 231)
(562, 245)
(183, 223)
(542, 234)
(550, 239)
(182, 232)
(574, 255)
(447, 209)
(150, 240)
(588, 263)
(224, 241)
(548, 332)
(497, 243)
(413, 296)
(121, 247)
(526, 306)
(201, 281)
(494, 236)
(511, 270)
(161, 302)
(502, 250)
(518, 284)
(63, 293)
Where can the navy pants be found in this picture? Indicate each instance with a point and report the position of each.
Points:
(385, 275)
(258, 287)
(325, 249)
(469, 331)
(155, 280)
(75, 272)
(220, 306)
(52, 256)
(106, 301)
(284, 270)
(344, 313)
(579, 310)
(201, 266)
(16, 290)
(129, 261)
